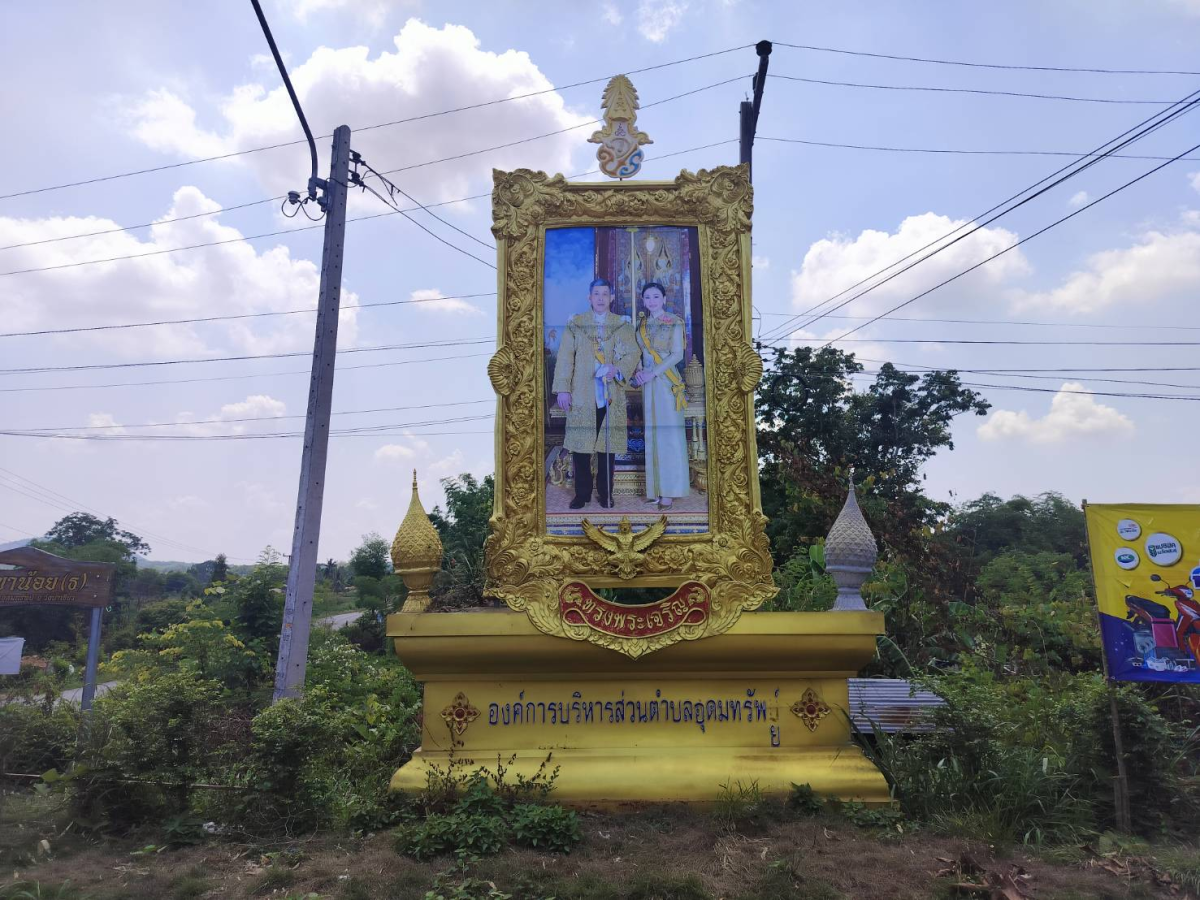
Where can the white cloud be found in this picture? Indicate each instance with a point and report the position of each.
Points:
(1194, 177)
(1159, 266)
(372, 10)
(395, 453)
(105, 421)
(834, 264)
(760, 262)
(1072, 414)
(657, 18)
(1078, 198)
(230, 278)
(611, 15)
(258, 497)
(188, 503)
(258, 405)
(431, 300)
(366, 503)
(1187, 7)
(431, 70)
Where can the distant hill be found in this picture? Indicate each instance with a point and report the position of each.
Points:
(174, 565)
(13, 545)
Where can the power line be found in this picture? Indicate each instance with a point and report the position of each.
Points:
(253, 237)
(1127, 137)
(362, 431)
(83, 387)
(1000, 343)
(258, 315)
(1024, 240)
(345, 412)
(75, 505)
(253, 356)
(979, 65)
(941, 150)
(1121, 326)
(417, 118)
(958, 90)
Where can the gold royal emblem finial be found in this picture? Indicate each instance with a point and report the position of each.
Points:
(620, 141)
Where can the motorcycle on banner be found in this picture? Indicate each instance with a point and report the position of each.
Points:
(1163, 643)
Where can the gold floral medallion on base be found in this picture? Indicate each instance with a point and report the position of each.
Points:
(459, 714)
(725, 548)
(811, 709)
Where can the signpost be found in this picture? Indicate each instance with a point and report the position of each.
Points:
(38, 578)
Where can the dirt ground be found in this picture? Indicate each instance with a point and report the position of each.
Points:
(665, 853)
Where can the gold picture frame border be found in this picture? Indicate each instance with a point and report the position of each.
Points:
(525, 566)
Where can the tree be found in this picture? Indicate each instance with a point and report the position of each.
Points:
(79, 529)
(373, 558)
(463, 529)
(813, 426)
(220, 571)
(257, 600)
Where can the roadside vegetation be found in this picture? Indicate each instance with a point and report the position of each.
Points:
(200, 787)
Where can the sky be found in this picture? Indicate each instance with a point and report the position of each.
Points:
(97, 90)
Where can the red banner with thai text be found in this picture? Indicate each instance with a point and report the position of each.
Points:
(690, 605)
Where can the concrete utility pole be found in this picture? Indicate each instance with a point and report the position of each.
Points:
(302, 567)
(749, 109)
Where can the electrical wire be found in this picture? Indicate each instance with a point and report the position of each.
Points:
(363, 431)
(959, 90)
(1121, 326)
(252, 237)
(1131, 135)
(34, 370)
(417, 118)
(341, 369)
(258, 315)
(75, 505)
(938, 150)
(1023, 240)
(979, 65)
(344, 412)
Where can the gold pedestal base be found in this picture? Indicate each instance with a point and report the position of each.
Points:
(765, 702)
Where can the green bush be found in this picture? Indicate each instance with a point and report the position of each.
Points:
(34, 739)
(1031, 759)
(442, 834)
(545, 827)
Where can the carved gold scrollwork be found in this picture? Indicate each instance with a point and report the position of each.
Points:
(525, 567)
(502, 372)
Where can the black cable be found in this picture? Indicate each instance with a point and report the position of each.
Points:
(953, 151)
(392, 212)
(34, 370)
(433, 234)
(1023, 240)
(1021, 322)
(341, 369)
(258, 315)
(242, 420)
(418, 118)
(314, 181)
(394, 189)
(954, 90)
(977, 65)
(1127, 137)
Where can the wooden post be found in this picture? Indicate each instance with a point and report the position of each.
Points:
(302, 564)
(1121, 808)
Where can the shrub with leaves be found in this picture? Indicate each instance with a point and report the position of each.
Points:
(545, 827)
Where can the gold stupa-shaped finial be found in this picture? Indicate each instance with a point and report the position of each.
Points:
(416, 553)
(620, 141)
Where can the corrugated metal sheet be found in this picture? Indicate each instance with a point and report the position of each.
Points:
(890, 705)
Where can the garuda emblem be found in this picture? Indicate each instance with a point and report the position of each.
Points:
(625, 547)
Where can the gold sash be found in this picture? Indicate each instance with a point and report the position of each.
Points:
(672, 376)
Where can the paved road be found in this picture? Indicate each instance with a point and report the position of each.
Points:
(75, 695)
(341, 620)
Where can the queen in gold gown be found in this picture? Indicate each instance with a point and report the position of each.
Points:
(660, 338)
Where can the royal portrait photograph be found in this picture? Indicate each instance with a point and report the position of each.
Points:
(623, 333)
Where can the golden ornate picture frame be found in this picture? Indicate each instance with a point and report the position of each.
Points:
(526, 567)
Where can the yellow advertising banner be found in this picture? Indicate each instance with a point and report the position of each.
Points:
(1146, 565)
